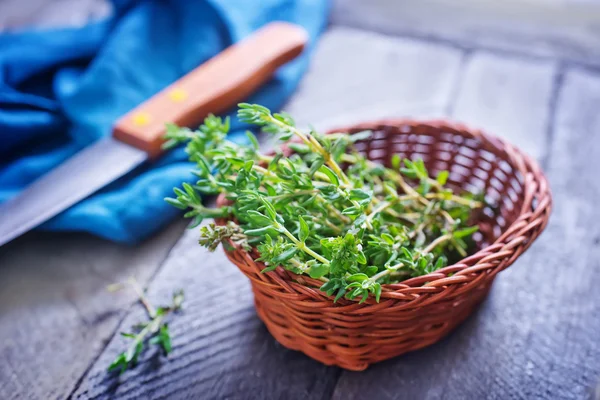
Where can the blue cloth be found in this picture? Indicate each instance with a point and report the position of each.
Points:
(61, 90)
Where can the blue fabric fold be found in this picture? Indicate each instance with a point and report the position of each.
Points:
(61, 90)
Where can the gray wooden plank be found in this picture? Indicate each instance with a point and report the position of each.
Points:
(536, 336)
(549, 28)
(509, 97)
(55, 312)
(358, 76)
(221, 350)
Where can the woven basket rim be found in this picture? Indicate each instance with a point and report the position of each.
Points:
(484, 260)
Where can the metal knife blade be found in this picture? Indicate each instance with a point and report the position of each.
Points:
(77, 178)
(213, 87)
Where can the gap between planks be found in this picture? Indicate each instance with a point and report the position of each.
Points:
(127, 310)
(556, 29)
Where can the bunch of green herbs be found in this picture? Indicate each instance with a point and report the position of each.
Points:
(318, 207)
(154, 331)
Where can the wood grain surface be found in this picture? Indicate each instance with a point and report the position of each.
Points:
(221, 349)
(359, 76)
(560, 29)
(509, 96)
(55, 311)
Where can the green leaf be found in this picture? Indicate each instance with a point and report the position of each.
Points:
(275, 161)
(396, 161)
(270, 189)
(190, 214)
(318, 270)
(361, 258)
(439, 264)
(128, 335)
(371, 270)
(409, 173)
(269, 208)
(119, 363)
(377, 291)
(269, 268)
(353, 285)
(165, 338)
(169, 144)
(333, 178)
(425, 187)
(351, 211)
(461, 233)
(361, 219)
(419, 167)
(285, 118)
(388, 238)
(406, 253)
(328, 286)
(248, 165)
(304, 230)
(155, 340)
(356, 292)
(285, 136)
(262, 231)
(253, 140)
(316, 165)
(133, 353)
(339, 147)
(362, 135)
(339, 294)
(300, 148)
(357, 277)
(422, 263)
(360, 194)
(258, 218)
(286, 255)
(196, 221)
(176, 203)
(364, 298)
(442, 177)
(203, 163)
(191, 192)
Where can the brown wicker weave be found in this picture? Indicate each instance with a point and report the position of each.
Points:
(419, 311)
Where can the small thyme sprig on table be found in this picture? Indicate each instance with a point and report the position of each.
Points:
(323, 209)
(154, 331)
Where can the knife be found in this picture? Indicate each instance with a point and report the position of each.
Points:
(213, 87)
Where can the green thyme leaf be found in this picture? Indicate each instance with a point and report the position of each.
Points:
(461, 233)
(442, 177)
(304, 229)
(155, 331)
(318, 270)
(333, 178)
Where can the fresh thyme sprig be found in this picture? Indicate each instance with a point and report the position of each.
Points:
(325, 210)
(154, 331)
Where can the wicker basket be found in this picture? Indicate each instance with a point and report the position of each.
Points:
(419, 311)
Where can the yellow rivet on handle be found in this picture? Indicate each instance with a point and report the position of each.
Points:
(141, 118)
(178, 95)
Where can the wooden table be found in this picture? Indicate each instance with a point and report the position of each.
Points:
(537, 336)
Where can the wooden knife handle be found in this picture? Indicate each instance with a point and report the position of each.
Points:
(213, 87)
